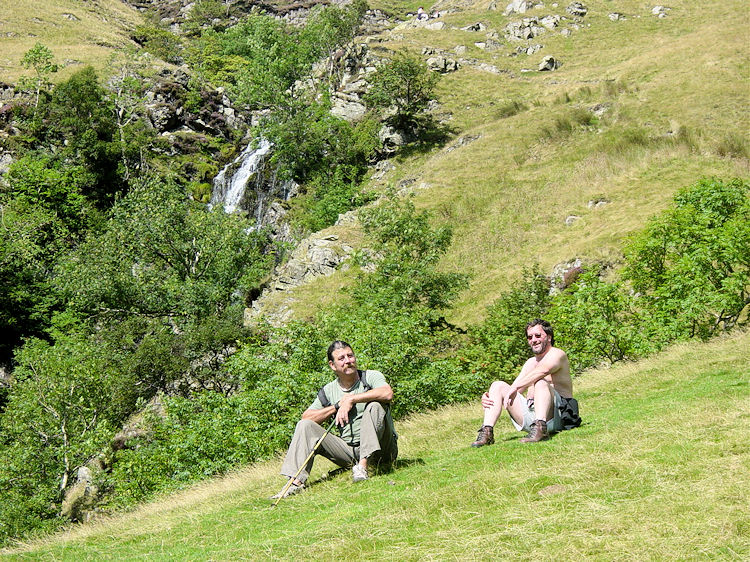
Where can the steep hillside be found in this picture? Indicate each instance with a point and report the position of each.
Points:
(658, 471)
(640, 106)
(79, 33)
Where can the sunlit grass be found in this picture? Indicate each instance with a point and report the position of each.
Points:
(657, 471)
(78, 33)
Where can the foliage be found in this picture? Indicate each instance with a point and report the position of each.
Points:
(163, 255)
(404, 86)
(41, 59)
(261, 59)
(58, 416)
(499, 343)
(595, 320)
(31, 237)
(408, 249)
(692, 264)
(159, 42)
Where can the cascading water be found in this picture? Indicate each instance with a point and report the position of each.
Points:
(230, 191)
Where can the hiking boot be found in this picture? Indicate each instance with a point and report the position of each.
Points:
(359, 473)
(538, 432)
(484, 437)
(290, 491)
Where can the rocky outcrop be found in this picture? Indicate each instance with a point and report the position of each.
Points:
(577, 9)
(349, 67)
(520, 7)
(166, 110)
(81, 498)
(320, 255)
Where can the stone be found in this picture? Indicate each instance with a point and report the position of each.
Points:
(565, 274)
(442, 64)
(80, 499)
(549, 63)
(435, 26)
(479, 26)
(459, 49)
(518, 7)
(5, 161)
(577, 9)
(550, 22)
(523, 30)
(570, 219)
(598, 203)
(347, 110)
(660, 11)
(391, 139)
(616, 16)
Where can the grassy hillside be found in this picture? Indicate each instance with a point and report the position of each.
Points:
(658, 471)
(78, 33)
(674, 93)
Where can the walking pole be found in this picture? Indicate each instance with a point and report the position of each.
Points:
(304, 463)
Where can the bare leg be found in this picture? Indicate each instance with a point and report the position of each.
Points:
(496, 394)
(543, 400)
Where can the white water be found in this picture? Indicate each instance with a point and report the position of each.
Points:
(230, 191)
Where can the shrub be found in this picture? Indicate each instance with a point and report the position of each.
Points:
(404, 85)
(499, 343)
(692, 263)
(595, 320)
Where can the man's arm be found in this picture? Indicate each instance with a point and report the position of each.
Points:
(382, 393)
(533, 372)
(318, 415)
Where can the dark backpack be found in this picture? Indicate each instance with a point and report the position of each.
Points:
(325, 402)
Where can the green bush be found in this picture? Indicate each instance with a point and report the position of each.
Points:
(403, 85)
(595, 321)
(499, 343)
(692, 263)
(159, 42)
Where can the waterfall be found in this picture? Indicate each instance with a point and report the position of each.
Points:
(230, 190)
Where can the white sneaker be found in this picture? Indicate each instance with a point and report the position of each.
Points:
(290, 491)
(359, 473)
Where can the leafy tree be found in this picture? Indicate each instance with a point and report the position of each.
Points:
(126, 89)
(57, 417)
(31, 237)
(163, 255)
(692, 263)
(403, 85)
(595, 320)
(408, 249)
(41, 59)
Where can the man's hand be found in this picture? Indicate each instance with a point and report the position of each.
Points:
(487, 402)
(508, 398)
(345, 405)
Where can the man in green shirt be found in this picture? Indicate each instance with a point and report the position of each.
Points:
(360, 402)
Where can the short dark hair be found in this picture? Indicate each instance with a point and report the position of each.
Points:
(338, 344)
(546, 326)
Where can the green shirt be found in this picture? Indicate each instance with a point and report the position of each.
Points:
(334, 392)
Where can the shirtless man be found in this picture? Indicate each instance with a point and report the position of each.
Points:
(549, 405)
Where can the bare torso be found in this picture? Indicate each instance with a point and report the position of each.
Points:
(556, 363)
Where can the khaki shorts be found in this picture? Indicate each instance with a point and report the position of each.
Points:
(529, 417)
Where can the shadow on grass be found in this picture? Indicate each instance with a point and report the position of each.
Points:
(432, 135)
(376, 470)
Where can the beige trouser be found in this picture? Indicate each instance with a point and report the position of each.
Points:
(374, 438)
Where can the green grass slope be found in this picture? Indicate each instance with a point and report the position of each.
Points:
(78, 33)
(671, 98)
(658, 471)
